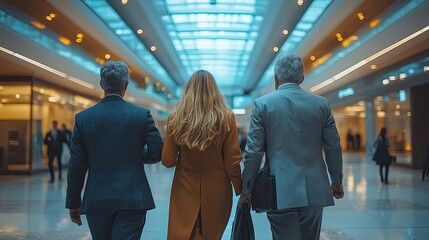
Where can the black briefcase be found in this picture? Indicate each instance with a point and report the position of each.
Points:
(264, 196)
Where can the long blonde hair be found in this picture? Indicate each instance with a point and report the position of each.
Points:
(201, 117)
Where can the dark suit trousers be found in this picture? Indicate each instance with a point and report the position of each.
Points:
(119, 225)
(296, 223)
(51, 158)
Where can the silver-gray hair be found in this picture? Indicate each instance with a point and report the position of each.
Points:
(113, 76)
(289, 68)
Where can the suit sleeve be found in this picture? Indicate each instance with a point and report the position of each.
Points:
(332, 147)
(254, 148)
(77, 168)
(170, 151)
(152, 153)
(232, 156)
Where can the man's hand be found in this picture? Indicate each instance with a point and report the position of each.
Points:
(75, 216)
(244, 198)
(337, 190)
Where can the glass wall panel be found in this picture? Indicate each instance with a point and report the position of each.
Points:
(15, 125)
(350, 122)
(393, 112)
(49, 104)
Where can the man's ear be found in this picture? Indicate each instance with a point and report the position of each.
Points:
(276, 82)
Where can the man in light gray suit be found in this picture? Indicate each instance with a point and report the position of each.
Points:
(292, 126)
(112, 141)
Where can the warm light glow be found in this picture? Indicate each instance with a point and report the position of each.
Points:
(38, 25)
(48, 18)
(139, 31)
(42, 90)
(349, 40)
(239, 111)
(153, 48)
(79, 35)
(163, 89)
(78, 40)
(285, 32)
(385, 81)
(373, 67)
(374, 23)
(146, 80)
(397, 113)
(321, 60)
(107, 56)
(158, 84)
(368, 59)
(392, 78)
(313, 58)
(409, 114)
(64, 40)
(338, 35)
(355, 109)
(17, 95)
(275, 49)
(52, 15)
(52, 99)
(381, 114)
(362, 115)
(402, 76)
(361, 16)
(300, 2)
(340, 39)
(1, 87)
(398, 106)
(124, 2)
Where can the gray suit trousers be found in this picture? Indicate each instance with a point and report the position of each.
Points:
(118, 225)
(296, 223)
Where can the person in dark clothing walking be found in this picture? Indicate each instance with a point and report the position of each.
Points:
(381, 155)
(350, 140)
(357, 141)
(54, 140)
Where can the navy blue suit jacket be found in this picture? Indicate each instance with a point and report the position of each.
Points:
(112, 141)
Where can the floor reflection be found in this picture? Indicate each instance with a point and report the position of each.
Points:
(32, 208)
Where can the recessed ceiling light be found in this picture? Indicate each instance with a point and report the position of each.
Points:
(275, 49)
(313, 58)
(163, 89)
(79, 35)
(300, 2)
(385, 81)
(285, 32)
(124, 2)
(361, 16)
(169, 96)
(64, 40)
(153, 48)
(17, 95)
(158, 84)
(107, 56)
(78, 40)
(139, 31)
(49, 18)
(52, 15)
(373, 67)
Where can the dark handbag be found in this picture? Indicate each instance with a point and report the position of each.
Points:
(392, 158)
(242, 227)
(264, 190)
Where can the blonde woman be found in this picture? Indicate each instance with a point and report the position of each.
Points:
(202, 143)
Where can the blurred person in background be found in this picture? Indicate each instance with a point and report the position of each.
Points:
(54, 140)
(382, 156)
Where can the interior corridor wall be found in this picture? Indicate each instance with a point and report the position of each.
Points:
(420, 123)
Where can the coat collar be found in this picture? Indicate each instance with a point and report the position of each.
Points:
(289, 86)
(112, 97)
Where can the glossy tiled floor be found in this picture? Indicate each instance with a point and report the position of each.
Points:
(31, 208)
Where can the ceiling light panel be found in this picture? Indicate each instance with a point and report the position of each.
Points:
(216, 37)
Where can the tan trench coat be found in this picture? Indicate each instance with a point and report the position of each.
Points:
(202, 180)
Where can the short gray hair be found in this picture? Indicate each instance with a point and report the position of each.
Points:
(113, 76)
(289, 68)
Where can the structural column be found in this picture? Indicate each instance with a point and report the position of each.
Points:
(370, 134)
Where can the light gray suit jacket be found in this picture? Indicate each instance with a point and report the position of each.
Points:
(295, 126)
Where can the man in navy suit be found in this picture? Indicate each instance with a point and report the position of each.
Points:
(112, 141)
(54, 140)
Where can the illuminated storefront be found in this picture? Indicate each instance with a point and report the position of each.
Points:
(27, 108)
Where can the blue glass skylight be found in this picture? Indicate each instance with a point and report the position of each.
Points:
(216, 37)
(112, 19)
(310, 17)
